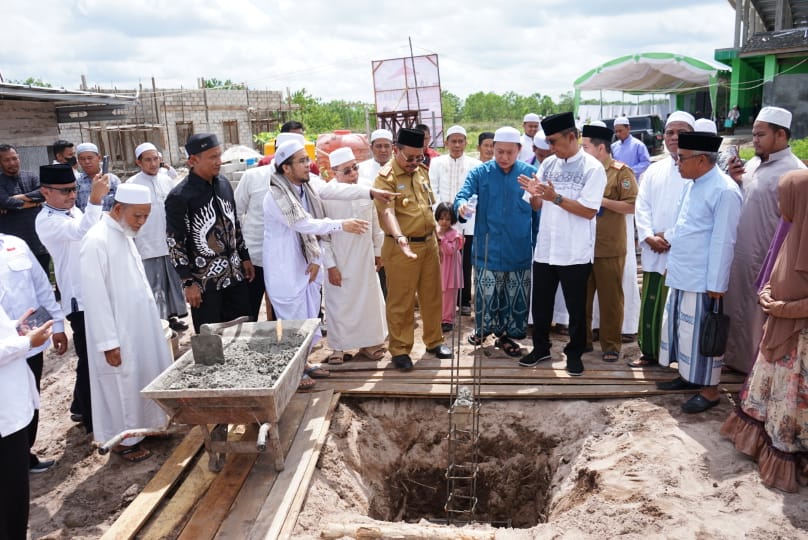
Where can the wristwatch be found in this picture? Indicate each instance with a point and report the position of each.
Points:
(558, 199)
(187, 283)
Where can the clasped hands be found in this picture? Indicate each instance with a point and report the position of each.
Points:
(537, 188)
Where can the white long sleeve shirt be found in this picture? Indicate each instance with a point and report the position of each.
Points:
(61, 232)
(18, 395)
(24, 285)
(151, 238)
(447, 175)
(656, 209)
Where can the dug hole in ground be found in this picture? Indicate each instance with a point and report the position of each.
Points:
(638, 468)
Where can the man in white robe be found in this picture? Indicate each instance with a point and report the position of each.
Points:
(530, 123)
(353, 296)
(125, 342)
(151, 239)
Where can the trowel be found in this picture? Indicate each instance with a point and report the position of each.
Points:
(207, 349)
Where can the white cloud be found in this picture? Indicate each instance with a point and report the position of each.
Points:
(327, 48)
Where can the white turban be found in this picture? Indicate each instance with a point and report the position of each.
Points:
(146, 146)
(531, 117)
(381, 134)
(681, 116)
(775, 115)
(456, 130)
(507, 134)
(705, 124)
(341, 155)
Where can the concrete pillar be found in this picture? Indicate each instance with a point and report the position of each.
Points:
(738, 12)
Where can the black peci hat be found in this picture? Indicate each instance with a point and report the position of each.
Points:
(56, 175)
(410, 137)
(557, 122)
(703, 141)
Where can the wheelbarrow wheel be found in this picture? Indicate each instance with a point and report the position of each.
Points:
(216, 459)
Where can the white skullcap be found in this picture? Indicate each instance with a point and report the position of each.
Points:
(599, 123)
(287, 136)
(133, 194)
(381, 134)
(531, 117)
(286, 150)
(705, 124)
(508, 134)
(143, 148)
(540, 141)
(621, 121)
(456, 130)
(775, 115)
(681, 116)
(86, 147)
(341, 155)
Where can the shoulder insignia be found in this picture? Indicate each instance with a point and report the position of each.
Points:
(386, 170)
(618, 164)
(626, 184)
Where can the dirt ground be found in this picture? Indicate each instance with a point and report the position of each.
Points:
(638, 468)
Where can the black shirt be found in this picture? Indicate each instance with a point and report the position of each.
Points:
(14, 219)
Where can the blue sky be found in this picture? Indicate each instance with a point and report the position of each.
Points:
(327, 47)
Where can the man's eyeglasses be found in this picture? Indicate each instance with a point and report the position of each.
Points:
(417, 159)
(349, 170)
(64, 190)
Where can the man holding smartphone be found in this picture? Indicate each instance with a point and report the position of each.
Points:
(90, 161)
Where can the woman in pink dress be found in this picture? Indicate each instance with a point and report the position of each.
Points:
(451, 262)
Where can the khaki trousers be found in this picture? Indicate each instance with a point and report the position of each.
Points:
(406, 278)
(607, 279)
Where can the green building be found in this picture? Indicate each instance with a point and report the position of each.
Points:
(769, 60)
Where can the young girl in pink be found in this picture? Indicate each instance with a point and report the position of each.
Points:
(451, 262)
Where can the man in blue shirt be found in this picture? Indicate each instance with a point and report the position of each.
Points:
(628, 149)
(700, 257)
(503, 233)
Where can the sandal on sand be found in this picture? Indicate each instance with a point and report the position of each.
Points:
(642, 361)
(611, 356)
(316, 371)
(508, 346)
(372, 353)
(306, 383)
(336, 357)
(132, 454)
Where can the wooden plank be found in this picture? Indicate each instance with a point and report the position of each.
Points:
(213, 507)
(172, 517)
(526, 376)
(595, 367)
(144, 505)
(294, 511)
(239, 521)
(273, 512)
(491, 391)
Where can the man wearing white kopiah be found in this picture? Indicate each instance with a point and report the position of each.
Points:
(447, 174)
(151, 239)
(656, 209)
(381, 147)
(353, 296)
(530, 123)
(759, 217)
(698, 266)
(293, 219)
(125, 342)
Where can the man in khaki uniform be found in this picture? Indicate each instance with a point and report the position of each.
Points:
(610, 242)
(410, 251)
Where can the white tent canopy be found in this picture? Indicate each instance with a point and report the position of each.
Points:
(651, 73)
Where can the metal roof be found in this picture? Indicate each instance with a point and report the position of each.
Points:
(63, 96)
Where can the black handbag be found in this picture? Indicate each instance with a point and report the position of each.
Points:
(714, 330)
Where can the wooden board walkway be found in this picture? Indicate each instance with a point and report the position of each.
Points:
(503, 378)
(247, 498)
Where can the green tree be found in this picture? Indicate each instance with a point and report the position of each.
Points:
(566, 102)
(452, 107)
(213, 82)
(34, 81)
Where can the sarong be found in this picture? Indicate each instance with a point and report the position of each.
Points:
(654, 294)
(166, 287)
(501, 302)
(681, 323)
